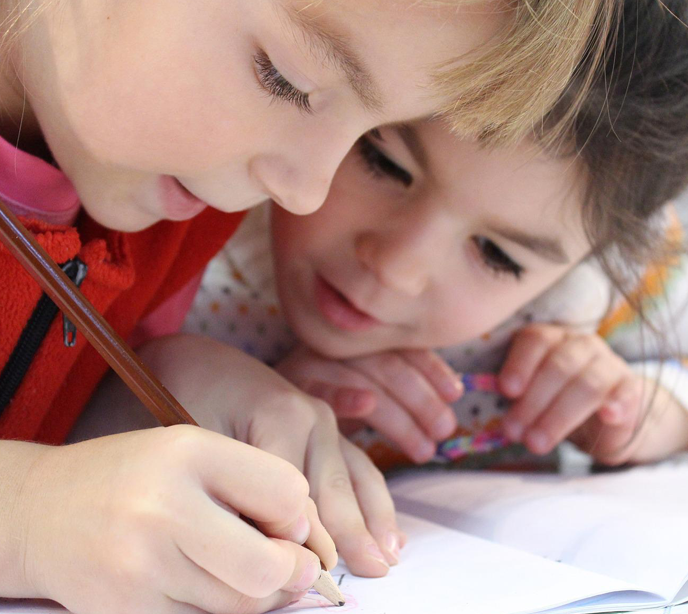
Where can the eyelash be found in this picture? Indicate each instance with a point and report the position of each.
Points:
(379, 164)
(497, 259)
(277, 86)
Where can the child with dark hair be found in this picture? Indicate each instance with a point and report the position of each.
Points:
(555, 266)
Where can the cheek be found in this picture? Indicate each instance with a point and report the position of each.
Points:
(468, 310)
(190, 105)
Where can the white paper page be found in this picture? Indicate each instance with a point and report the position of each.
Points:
(445, 572)
(632, 526)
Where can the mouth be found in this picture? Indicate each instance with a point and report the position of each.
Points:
(339, 311)
(178, 203)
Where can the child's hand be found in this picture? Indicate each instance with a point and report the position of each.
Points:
(572, 385)
(149, 521)
(403, 395)
(229, 392)
(660, 430)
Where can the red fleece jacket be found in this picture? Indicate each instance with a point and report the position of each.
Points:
(129, 275)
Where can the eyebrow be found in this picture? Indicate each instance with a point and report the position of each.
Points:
(546, 247)
(337, 50)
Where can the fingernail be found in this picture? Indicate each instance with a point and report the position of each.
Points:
(451, 390)
(512, 385)
(302, 530)
(513, 429)
(392, 545)
(538, 442)
(375, 552)
(298, 598)
(308, 577)
(424, 452)
(444, 426)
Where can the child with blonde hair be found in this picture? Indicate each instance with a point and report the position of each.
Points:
(132, 135)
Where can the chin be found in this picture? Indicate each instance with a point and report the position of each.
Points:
(134, 222)
(342, 346)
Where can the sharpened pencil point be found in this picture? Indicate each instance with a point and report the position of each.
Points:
(325, 585)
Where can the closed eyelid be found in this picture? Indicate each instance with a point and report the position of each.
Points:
(336, 49)
(545, 247)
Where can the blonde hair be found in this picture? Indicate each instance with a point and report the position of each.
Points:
(503, 94)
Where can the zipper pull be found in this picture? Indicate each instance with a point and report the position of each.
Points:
(76, 271)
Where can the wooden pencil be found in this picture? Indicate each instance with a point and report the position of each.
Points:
(107, 342)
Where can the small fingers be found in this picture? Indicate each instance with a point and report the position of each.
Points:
(608, 436)
(438, 373)
(411, 390)
(398, 426)
(347, 402)
(339, 508)
(319, 540)
(202, 592)
(579, 399)
(528, 349)
(374, 500)
(624, 403)
(238, 555)
(557, 369)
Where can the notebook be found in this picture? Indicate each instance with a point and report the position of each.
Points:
(484, 543)
(492, 543)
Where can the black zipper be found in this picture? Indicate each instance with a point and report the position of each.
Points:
(33, 334)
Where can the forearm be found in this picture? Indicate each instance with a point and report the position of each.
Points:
(19, 486)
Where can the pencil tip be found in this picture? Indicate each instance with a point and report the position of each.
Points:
(340, 604)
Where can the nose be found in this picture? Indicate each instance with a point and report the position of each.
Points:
(407, 252)
(298, 176)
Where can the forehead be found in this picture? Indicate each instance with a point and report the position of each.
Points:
(521, 185)
(404, 43)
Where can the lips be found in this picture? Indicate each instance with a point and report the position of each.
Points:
(178, 203)
(339, 311)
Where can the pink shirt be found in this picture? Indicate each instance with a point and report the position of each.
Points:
(34, 188)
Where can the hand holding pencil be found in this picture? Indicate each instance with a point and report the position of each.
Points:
(150, 521)
(153, 519)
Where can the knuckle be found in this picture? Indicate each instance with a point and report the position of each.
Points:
(340, 482)
(372, 473)
(181, 442)
(560, 364)
(389, 363)
(269, 576)
(292, 494)
(324, 412)
(592, 382)
(298, 409)
(544, 333)
(133, 565)
(244, 604)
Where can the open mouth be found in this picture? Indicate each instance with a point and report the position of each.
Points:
(339, 311)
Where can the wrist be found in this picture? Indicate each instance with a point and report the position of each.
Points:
(21, 490)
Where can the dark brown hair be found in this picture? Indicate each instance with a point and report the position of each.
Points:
(631, 133)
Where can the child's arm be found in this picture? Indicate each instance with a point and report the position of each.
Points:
(149, 521)
(403, 395)
(566, 384)
(231, 393)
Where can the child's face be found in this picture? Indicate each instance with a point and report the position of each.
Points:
(147, 103)
(426, 241)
